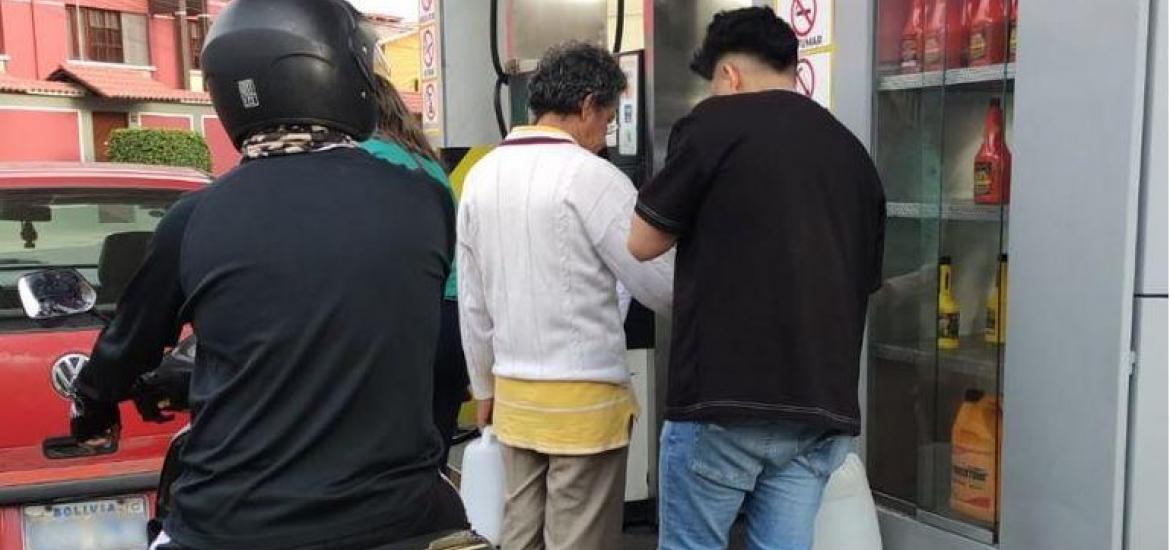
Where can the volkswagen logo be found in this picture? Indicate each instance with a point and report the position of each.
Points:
(65, 370)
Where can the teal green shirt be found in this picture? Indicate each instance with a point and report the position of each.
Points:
(395, 154)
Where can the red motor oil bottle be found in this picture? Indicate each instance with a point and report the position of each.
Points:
(957, 33)
(912, 35)
(1013, 19)
(944, 35)
(964, 34)
(993, 162)
(934, 36)
(988, 27)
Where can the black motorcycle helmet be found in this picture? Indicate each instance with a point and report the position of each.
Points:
(270, 62)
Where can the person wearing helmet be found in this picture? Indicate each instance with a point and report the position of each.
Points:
(312, 275)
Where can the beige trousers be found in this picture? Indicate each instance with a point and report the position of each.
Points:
(559, 502)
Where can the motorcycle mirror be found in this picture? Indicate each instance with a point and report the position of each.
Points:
(54, 293)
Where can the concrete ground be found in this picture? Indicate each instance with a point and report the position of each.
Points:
(640, 535)
(645, 537)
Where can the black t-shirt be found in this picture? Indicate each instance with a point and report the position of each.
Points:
(313, 282)
(780, 218)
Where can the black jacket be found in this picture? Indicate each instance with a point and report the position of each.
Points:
(313, 282)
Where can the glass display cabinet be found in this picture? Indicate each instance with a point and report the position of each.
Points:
(943, 108)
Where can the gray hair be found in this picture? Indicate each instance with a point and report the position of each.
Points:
(569, 73)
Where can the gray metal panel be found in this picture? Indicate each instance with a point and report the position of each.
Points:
(468, 76)
(1079, 108)
(853, 67)
(853, 106)
(672, 32)
(900, 532)
(540, 24)
(1152, 244)
(678, 29)
(1146, 509)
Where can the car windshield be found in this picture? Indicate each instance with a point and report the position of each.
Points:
(103, 233)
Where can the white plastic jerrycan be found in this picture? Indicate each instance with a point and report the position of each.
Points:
(482, 485)
(848, 519)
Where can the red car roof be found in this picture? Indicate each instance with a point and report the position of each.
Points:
(99, 175)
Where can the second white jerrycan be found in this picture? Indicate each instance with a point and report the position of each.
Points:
(848, 517)
(482, 485)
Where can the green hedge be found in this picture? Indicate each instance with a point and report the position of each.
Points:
(159, 146)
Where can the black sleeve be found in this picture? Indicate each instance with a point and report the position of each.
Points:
(147, 318)
(450, 211)
(879, 246)
(670, 200)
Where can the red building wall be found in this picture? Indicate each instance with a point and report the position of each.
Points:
(159, 120)
(36, 36)
(163, 51)
(18, 38)
(224, 155)
(51, 30)
(56, 136)
(36, 43)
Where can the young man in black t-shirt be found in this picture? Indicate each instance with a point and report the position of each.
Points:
(778, 214)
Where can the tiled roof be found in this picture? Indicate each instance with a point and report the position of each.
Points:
(117, 83)
(10, 83)
(413, 101)
(124, 83)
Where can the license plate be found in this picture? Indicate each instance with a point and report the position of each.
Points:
(105, 524)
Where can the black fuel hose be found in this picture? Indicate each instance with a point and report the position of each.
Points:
(494, 34)
(501, 76)
(496, 100)
(620, 26)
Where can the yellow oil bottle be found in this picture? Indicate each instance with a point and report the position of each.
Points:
(996, 329)
(948, 309)
(975, 457)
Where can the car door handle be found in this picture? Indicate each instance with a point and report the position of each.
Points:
(66, 446)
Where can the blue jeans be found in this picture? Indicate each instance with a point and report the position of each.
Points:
(775, 471)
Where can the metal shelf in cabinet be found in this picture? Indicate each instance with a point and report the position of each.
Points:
(974, 357)
(953, 210)
(976, 75)
(950, 77)
(912, 81)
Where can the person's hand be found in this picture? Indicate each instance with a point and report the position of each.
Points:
(108, 438)
(483, 413)
(94, 424)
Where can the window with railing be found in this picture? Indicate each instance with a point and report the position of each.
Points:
(196, 31)
(107, 36)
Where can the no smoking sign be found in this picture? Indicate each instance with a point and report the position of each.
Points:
(427, 10)
(428, 37)
(430, 98)
(811, 20)
(814, 77)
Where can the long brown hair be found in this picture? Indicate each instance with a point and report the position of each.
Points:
(397, 124)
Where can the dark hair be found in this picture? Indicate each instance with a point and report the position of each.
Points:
(568, 73)
(397, 124)
(753, 31)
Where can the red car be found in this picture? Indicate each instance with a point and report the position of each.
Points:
(96, 218)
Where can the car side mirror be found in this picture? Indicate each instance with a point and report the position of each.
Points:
(55, 293)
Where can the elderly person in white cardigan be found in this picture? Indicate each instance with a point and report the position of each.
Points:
(542, 231)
